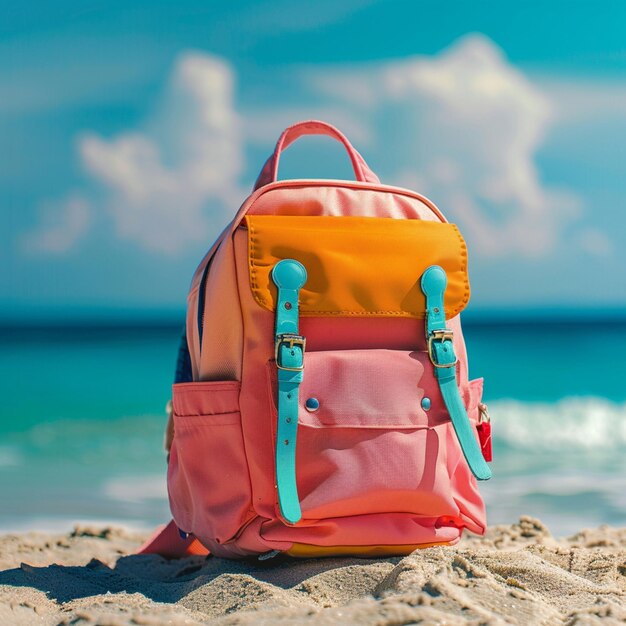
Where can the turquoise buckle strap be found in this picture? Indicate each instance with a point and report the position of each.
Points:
(443, 358)
(289, 276)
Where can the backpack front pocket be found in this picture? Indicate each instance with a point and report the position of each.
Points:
(374, 437)
(208, 481)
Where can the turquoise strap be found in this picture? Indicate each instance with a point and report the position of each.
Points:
(289, 277)
(443, 358)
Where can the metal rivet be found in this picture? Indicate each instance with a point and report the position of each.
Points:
(426, 403)
(288, 305)
(436, 309)
(312, 404)
(288, 420)
(286, 442)
(289, 396)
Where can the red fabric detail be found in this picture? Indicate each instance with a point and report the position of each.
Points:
(484, 436)
(167, 542)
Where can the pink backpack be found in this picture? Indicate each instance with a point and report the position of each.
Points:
(328, 409)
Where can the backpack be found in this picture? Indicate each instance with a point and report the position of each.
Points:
(323, 405)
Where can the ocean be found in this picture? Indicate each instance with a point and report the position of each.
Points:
(83, 417)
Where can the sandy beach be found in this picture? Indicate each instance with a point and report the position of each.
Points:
(516, 574)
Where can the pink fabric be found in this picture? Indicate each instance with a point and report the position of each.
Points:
(372, 389)
(332, 198)
(410, 460)
(208, 398)
(208, 482)
(367, 530)
(269, 173)
(372, 466)
(371, 447)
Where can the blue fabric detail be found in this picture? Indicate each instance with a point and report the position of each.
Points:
(202, 288)
(289, 276)
(184, 372)
(441, 352)
(201, 302)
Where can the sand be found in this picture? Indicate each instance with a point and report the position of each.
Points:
(517, 574)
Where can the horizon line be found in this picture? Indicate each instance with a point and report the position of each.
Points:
(164, 319)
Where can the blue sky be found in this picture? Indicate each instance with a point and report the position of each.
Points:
(130, 132)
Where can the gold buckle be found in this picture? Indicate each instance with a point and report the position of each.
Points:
(291, 340)
(442, 334)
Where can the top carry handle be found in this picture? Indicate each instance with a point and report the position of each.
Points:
(269, 173)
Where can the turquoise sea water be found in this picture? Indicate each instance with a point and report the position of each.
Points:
(82, 422)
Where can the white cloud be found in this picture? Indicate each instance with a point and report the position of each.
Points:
(584, 99)
(463, 127)
(168, 186)
(62, 225)
(469, 124)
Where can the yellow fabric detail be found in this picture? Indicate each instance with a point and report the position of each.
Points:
(308, 551)
(358, 265)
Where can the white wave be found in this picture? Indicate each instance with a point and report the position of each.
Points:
(136, 488)
(572, 423)
(562, 482)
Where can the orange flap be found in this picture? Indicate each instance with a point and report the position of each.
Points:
(358, 265)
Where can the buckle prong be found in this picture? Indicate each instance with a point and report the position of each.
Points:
(291, 339)
(441, 334)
